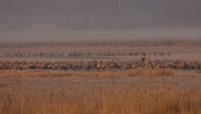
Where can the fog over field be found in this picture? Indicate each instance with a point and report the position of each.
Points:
(50, 20)
(100, 56)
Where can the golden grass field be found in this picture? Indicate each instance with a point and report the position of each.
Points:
(150, 72)
(133, 91)
(98, 95)
(156, 91)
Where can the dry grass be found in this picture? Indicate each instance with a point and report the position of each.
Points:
(51, 73)
(111, 99)
(199, 71)
(94, 97)
(151, 72)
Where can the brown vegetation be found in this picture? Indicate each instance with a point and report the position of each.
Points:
(129, 82)
(151, 72)
(114, 98)
(53, 73)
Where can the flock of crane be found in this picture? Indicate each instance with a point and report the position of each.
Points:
(81, 55)
(101, 65)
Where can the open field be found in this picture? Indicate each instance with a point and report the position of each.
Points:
(100, 56)
(100, 80)
(150, 72)
(103, 53)
(88, 95)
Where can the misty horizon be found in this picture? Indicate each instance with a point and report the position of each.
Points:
(63, 20)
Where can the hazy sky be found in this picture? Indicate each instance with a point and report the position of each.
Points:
(89, 19)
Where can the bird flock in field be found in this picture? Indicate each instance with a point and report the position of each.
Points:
(81, 54)
(95, 64)
(100, 65)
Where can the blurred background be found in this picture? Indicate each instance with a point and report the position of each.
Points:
(72, 20)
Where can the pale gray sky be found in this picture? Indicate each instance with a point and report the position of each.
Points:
(29, 20)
